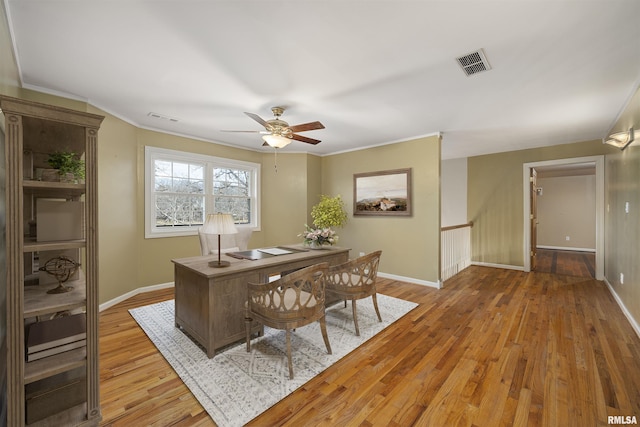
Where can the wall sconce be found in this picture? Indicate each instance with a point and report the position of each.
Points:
(620, 139)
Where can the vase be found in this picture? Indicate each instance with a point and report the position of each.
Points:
(315, 245)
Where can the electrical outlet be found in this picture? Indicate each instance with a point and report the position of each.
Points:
(567, 238)
(626, 207)
(621, 279)
(361, 254)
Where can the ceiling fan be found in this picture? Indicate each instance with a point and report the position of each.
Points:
(278, 133)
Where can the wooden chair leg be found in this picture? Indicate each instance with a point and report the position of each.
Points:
(289, 354)
(325, 336)
(247, 324)
(355, 316)
(375, 305)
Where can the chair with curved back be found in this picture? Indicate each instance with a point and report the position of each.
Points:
(354, 280)
(292, 301)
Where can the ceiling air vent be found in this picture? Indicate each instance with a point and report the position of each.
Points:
(474, 62)
(161, 117)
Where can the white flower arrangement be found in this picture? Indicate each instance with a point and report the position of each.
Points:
(318, 236)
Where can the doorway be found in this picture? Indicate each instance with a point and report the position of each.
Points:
(530, 193)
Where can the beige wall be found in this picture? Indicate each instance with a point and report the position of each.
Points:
(495, 198)
(285, 195)
(314, 185)
(622, 230)
(154, 255)
(128, 261)
(8, 86)
(495, 203)
(567, 208)
(117, 195)
(410, 245)
(453, 186)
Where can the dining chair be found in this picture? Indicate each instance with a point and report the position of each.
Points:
(354, 280)
(294, 300)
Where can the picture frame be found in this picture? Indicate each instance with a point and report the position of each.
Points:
(383, 193)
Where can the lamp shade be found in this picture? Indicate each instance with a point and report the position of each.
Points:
(277, 141)
(621, 139)
(219, 223)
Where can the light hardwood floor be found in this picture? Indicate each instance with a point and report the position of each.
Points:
(493, 347)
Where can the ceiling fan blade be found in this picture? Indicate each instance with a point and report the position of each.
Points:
(257, 118)
(246, 131)
(306, 126)
(305, 139)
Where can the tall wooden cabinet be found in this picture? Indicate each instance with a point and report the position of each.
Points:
(59, 386)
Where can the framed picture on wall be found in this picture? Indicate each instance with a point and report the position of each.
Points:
(382, 193)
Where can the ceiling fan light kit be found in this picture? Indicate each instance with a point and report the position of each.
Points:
(278, 132)
(276, 141)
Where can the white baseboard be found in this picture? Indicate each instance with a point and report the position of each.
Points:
(144, 289)
(506, 266)
(634, 323)
(135, 292)
(566, 248)
(436, 285)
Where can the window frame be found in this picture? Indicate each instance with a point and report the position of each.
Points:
(210, 162)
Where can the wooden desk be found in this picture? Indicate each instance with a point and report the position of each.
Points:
(210, 302)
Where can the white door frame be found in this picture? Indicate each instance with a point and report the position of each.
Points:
(599, 162)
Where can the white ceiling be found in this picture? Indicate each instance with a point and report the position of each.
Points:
(373, 72)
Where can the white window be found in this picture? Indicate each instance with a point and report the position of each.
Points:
(182, 188)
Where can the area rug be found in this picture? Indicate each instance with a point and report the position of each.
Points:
(235, 386)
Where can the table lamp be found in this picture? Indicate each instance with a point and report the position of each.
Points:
(219, 224)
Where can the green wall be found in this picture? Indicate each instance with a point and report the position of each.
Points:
(8, 85)
(128, 261)
(622, 230)
(285, 194)
(495, 198)
(145, 261)
(410, 245)
(495, 204)
(117, 194)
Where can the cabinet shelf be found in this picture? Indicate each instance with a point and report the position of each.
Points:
(74, 416)
(32, 185)
(33, 246)
(64, 216)
(37, 302)
(54, 365)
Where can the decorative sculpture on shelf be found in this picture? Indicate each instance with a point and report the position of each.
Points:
(62, 268)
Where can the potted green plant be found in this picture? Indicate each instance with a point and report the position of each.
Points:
(69, 165)
(329, 212)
